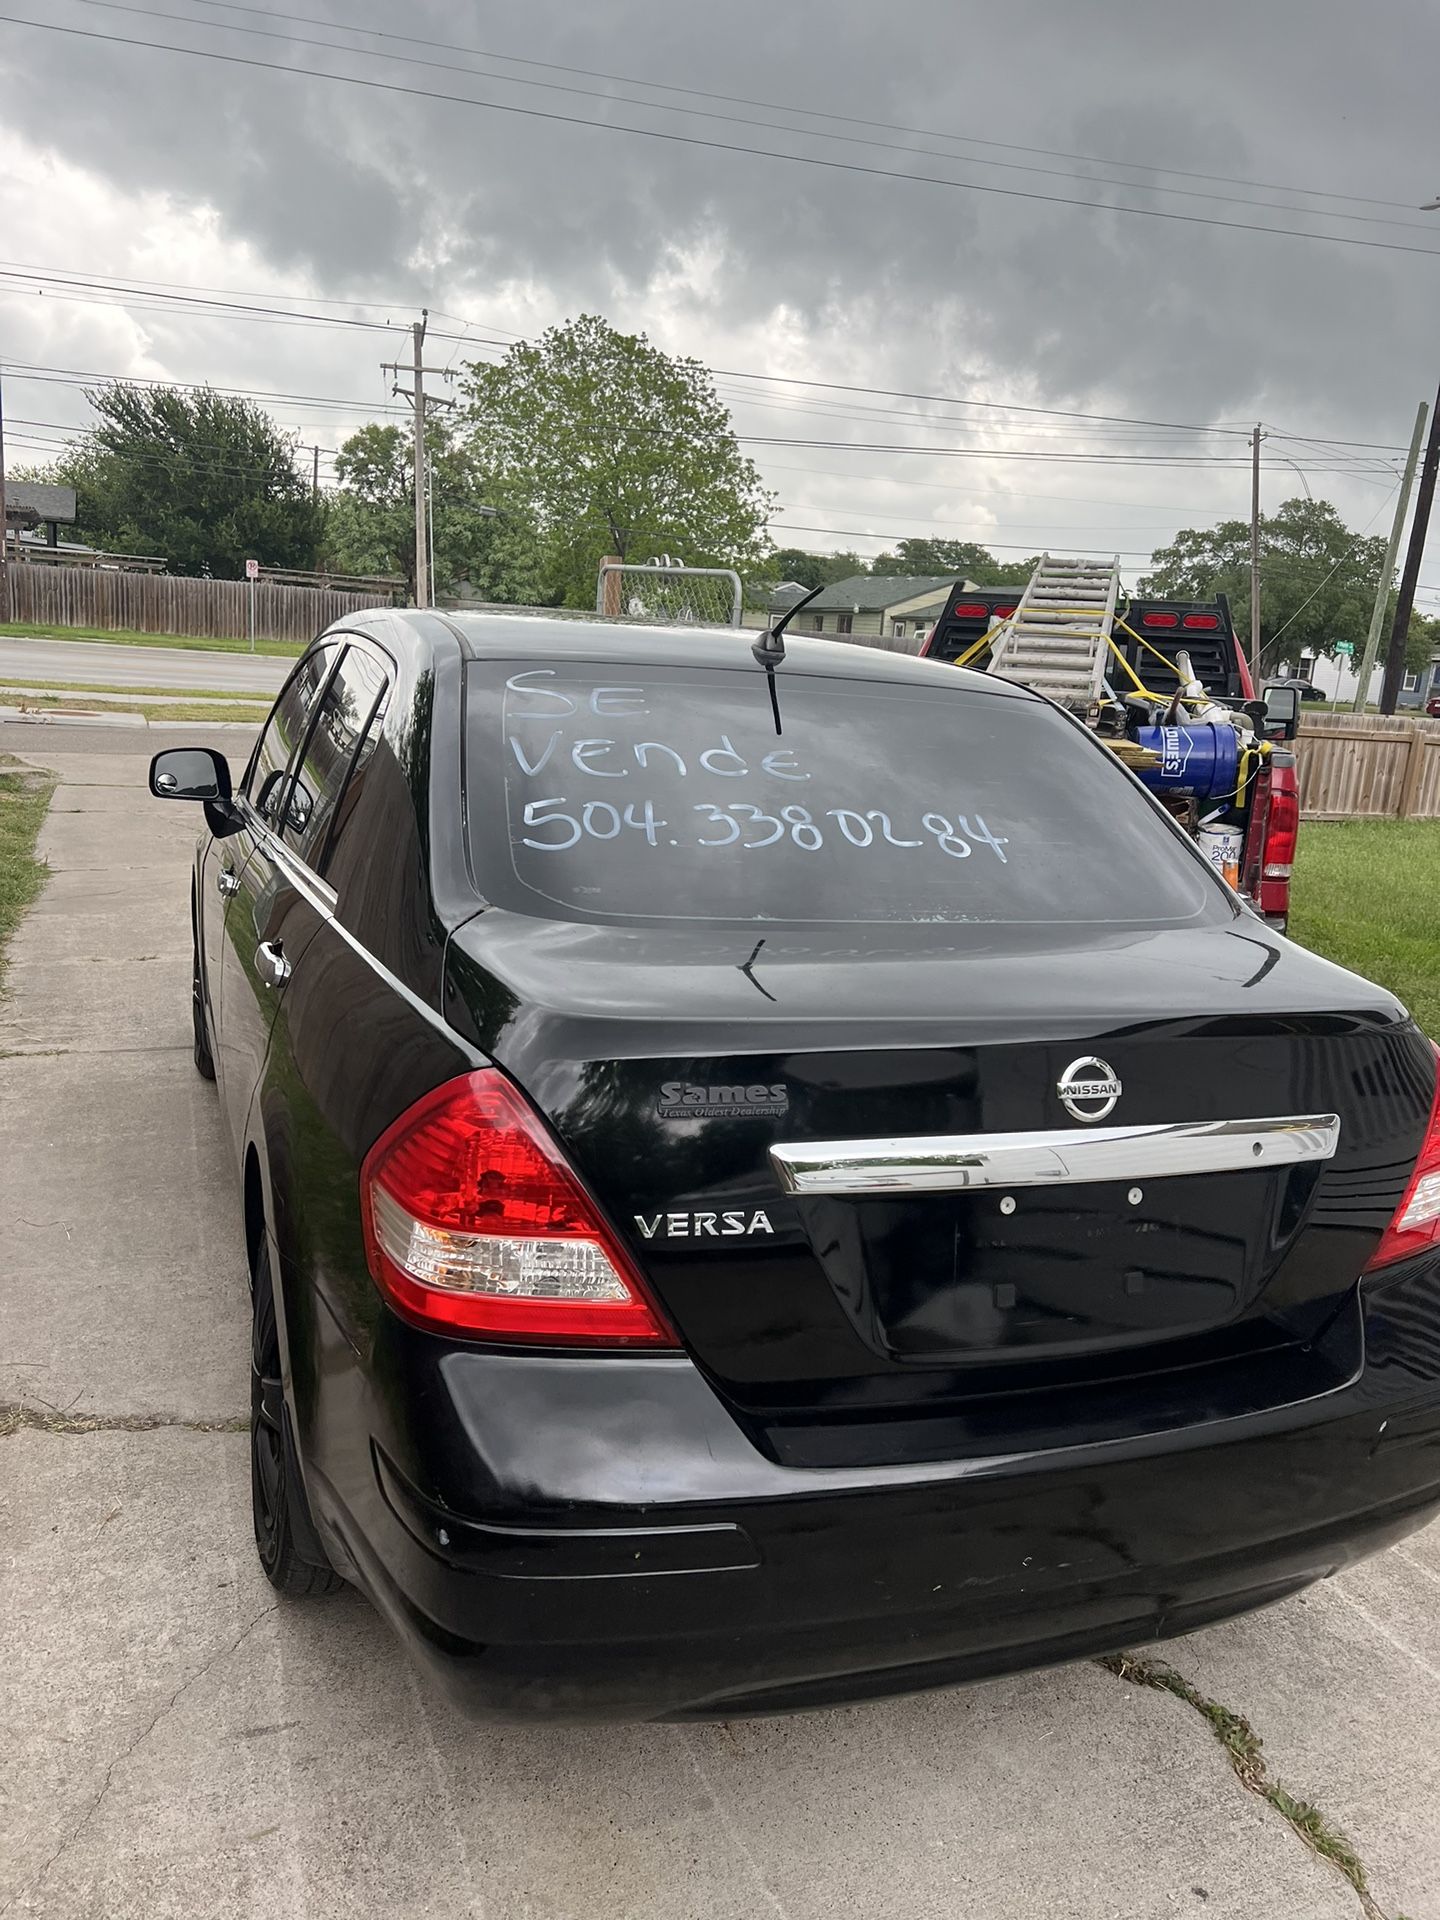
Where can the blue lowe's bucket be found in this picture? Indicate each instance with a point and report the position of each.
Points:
(1200, 759)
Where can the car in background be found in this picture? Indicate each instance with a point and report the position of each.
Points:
(778, 1177)
(1307, 689)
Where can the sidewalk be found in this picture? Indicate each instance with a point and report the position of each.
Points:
(180, 1745)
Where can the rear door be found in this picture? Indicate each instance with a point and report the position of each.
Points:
(255, 889)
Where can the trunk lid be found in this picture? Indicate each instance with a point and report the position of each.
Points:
(912, 1323)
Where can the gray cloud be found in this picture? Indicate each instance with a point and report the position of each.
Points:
(890, 282)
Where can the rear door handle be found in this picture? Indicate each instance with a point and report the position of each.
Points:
(227, 880)
(271, 963)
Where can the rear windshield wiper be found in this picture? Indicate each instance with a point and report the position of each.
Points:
(769, 649)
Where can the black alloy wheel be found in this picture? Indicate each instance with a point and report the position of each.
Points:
(276, 1492)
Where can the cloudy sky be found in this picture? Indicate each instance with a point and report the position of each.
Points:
(914, 207)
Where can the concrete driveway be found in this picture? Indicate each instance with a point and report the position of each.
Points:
(178, 1743)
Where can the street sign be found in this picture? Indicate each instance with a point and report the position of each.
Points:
(1345, 646)
(252, 569)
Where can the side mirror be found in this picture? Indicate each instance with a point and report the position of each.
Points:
(1282, 713)
(190, 773)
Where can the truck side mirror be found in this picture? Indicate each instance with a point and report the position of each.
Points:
(1282, 713)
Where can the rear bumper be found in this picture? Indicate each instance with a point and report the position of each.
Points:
(739, 1586)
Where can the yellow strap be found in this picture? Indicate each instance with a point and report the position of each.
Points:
(1139, 683)
(1164, 659)
(970, 652)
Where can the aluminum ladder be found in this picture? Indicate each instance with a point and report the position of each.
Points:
(1058, 638)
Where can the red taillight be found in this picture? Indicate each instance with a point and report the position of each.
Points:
(1160, 620)
(1281, 830)
(969, 610)
(1416, 1226)
(1003, 613)
(1205, 622)
(475, 1224)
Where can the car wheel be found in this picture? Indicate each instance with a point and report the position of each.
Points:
(204, 1059)
(276, 1491)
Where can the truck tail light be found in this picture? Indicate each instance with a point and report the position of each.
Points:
(476, 1224)
(1281, 831)
(1416, 1226)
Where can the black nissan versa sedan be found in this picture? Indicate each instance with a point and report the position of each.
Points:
(755, 1204)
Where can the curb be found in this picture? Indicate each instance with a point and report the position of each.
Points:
(107, 717)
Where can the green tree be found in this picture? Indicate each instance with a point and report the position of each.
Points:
(1317, 578)
(962, 558)
(371, 526)
(812, 569)
(1422, 642)
(615, 448)
(205, 480)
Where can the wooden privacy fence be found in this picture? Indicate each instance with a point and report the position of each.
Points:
(158, 603)
(1369, 767)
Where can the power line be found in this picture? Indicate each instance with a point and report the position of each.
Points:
(750, 151)
(198, 300)
(727, 119)
(68, 276)
(809, 113)
(78, 377)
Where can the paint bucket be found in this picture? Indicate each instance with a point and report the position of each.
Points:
(1200, 758)
(1223, 846)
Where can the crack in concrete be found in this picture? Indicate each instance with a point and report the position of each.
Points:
(223, 1653)
(1243, 1746)
(17, 1418)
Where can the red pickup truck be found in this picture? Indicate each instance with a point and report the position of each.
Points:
(1204, 629)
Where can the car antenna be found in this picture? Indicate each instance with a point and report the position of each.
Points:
(769, 649)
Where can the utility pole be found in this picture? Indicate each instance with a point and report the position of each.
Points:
(315, 473)
(419, 400)
(1255, 558)
(1387, 572)
(1419, 527)
(422, 543)
(4, 523)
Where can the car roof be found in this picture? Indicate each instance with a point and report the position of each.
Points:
(629, 643)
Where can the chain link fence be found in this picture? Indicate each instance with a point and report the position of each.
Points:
(670, 595)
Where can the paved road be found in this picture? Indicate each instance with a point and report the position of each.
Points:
(87, 662)
(179, 1744)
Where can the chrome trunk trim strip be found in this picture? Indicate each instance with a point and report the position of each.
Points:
(945, 1163)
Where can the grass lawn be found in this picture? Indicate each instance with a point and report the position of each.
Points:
(24, 796)
(285, 649)
(1366, 893)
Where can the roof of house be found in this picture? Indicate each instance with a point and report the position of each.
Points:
(30, 500)
(874, 592)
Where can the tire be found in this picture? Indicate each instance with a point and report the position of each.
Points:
(277, 1494)
(204, 1059)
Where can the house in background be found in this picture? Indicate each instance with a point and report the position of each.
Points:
(1336, 680)
(31, 505)
(878, 609)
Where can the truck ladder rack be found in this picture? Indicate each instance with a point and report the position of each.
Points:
(1058, 638)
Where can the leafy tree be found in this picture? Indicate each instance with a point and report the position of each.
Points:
(1422, 642)
(1317, 578)
(956, 557)
(812, 569)
(615, 448)
(372, 517)
(206, 480)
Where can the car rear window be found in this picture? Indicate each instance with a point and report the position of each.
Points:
(664, 794)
